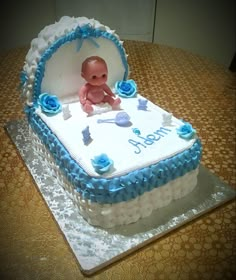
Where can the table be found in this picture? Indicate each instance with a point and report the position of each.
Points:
(193, 88)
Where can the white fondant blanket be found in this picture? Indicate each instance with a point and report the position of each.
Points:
(145, 140)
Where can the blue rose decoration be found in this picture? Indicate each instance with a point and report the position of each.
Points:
(49, 104)
(126, 88)
(102, 163)
(186, 131)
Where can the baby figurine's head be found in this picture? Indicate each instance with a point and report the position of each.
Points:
(94, 70)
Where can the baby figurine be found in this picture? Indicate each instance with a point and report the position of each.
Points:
(95, 91)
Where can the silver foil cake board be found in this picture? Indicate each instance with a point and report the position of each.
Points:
(95, 248)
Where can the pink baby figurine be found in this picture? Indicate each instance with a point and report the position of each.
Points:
(95, 91)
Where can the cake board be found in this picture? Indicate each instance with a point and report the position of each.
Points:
(96, 248)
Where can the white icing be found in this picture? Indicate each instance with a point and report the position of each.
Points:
(66, 112)
(167, 119)
(113, 140)
(124, 213)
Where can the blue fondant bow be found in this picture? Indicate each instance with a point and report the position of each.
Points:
(86, 32)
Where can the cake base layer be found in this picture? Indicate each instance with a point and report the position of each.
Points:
(122, 213)
(95, 248)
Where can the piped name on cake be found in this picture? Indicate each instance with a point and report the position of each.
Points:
(149, 139)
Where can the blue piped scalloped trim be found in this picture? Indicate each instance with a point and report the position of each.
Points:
(78, 33)
(117, 189)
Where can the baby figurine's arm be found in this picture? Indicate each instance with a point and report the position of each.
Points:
(83, 94)
(108, 90)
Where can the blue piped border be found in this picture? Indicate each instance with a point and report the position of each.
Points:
(82, 32)
(117, 189)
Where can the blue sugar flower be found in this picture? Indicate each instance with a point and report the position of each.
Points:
(126, 88)
(102, 163)
(49, 104)
(186, 131)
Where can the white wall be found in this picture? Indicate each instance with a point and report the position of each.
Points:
(205, 27)
(21, 21)
(132, 19)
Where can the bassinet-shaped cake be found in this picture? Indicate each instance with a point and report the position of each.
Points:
(146, 164)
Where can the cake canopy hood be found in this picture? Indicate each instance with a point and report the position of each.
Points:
(53, 63)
